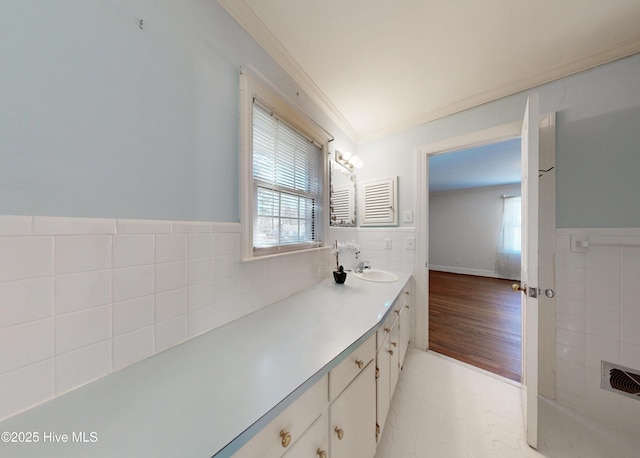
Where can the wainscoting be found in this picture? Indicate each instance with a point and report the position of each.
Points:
(83, 297)
(476, 320)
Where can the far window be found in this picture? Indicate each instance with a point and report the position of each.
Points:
(508, 256)
(512, 224)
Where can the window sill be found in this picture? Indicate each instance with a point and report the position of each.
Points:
(285, 253)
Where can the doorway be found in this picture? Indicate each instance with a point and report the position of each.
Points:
(539, 232)
(474, 256)
(547, 234)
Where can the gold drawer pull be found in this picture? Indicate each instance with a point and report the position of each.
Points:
(286, 438)
(339, 432)
(390, 351)
(406, 292)
(387, 330)
(321, 453)
(395, 344)
(359, 363)
(397, 311)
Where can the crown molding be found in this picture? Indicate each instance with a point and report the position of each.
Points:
(620, 51)
(252, 24)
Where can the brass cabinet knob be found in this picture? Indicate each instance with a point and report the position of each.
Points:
(395, 344)
(387, 330)
(397, 311)
(339, 432)
(406, 292)
(359, 363)
(406, 306)
(390, 351)
(286, 438)
(321, 453)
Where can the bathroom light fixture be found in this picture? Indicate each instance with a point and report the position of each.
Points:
(348, 160)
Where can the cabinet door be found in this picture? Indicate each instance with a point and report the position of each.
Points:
(405, 328)
(352, 427)
(383, 385)
(394, 353)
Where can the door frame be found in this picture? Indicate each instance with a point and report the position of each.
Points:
(547, 235)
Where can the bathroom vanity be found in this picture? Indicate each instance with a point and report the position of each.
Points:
(311, 375)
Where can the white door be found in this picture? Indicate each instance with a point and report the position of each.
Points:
(529, 280)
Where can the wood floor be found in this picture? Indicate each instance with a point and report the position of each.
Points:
(477, 320)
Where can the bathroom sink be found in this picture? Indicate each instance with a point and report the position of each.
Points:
(376, 275)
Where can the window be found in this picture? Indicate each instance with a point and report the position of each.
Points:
(511, 225)
(508, 256)
(286, 183)
(282, 175)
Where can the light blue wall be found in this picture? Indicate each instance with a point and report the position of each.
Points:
(597, 144)
(99, 118)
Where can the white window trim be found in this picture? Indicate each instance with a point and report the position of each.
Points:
(250, 88)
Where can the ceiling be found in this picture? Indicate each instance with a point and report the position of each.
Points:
(380, 66)
(486, 165)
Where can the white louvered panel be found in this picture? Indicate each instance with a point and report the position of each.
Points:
(380, 203)
(342, 205)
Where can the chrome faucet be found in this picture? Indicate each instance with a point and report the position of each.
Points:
(363, 265)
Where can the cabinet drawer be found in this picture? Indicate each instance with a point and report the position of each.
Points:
(350, 367)
(289, 426)
(313, 442)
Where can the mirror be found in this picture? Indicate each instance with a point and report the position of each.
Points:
(342, 193)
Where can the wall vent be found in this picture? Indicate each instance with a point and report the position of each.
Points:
(621, 380)
(379, 202)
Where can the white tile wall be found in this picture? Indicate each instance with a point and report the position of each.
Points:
(597, 318)
(82, 297)
(372, 247)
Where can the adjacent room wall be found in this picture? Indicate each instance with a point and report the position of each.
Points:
(464, 227)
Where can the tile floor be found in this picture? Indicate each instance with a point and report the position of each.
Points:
(445, 409)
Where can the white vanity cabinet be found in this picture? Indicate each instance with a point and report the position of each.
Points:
(393, 339)
(296, 427)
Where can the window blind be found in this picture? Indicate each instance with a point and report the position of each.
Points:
(286, 175)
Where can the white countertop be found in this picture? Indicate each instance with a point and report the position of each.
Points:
(210, 395)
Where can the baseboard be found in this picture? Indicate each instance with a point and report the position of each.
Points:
(464, 271)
